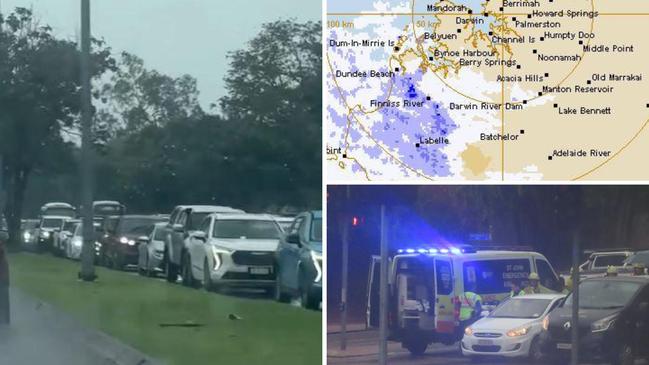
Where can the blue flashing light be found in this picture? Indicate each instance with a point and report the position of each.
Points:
(422, 250)
(456, 251)
(432, 251)
(400, 250)
(444, 250)
(410, 250)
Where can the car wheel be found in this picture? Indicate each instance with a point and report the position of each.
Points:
(188, 277)
(147, 266)
(171, 270)
(416, 347)
(535, 354)
(280, 295)
(625, 355)
(308, 300)
(207, 278)
(118, 261)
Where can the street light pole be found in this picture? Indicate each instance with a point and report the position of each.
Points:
(88, 249)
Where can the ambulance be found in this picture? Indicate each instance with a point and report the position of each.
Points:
(425, 284)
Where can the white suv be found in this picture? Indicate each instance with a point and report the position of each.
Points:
(233, 250)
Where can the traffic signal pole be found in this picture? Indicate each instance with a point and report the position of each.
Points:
(345, 258)
(88, 249)
(576, 257)
(383, 294)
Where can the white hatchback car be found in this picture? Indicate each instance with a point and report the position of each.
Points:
(512, 329)
(233, 249)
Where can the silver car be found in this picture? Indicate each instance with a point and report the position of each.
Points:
(151, 251)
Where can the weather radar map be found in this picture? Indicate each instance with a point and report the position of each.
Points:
(487, 90)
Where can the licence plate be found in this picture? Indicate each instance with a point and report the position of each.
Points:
(485, 342)
(564, 346)
(260, 270)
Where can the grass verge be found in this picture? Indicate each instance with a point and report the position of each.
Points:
(131, 308)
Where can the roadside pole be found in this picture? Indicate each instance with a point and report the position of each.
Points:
(88, 249)
(576, 257)
(383, 321)
(343, 294)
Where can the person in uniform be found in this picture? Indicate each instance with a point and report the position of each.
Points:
(611, 271)
(470, 306)
(568, 286)
(516, 289)
(535, 286)
(638, 269)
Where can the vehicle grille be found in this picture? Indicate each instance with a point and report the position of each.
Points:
(483, 348)
(253, 258)
(487, 335)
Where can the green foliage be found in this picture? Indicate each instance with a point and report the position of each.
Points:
(39, 98)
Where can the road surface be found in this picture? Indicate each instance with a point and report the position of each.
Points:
(362, 349)
(39, 334)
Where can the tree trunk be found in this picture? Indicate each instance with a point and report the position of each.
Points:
(16, 184)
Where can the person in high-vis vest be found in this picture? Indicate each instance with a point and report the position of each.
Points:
(567, 288)
(638, 269)
(470, 307)
(516, 289)
(535, 286)
(611, 271)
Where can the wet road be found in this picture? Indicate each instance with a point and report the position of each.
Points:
(363, 347)
(41, 334)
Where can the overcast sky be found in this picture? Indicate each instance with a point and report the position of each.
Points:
(174, 36)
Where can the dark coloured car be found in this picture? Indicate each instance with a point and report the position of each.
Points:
(299, 261)
(613, 321)
(121, 235)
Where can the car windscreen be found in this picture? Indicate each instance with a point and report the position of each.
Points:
(316, 229)
(108, 209)
(69, 226)
(133, 226)
(604, 294)
(30, 225)
(241, 228)
(51, 223)
(65, 212)
(521, 308)
(196, 220)
(495, 276)
(159, 234)
(609, 260)
(639, 258)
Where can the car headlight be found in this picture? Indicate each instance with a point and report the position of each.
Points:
(546, 322)
(77, 242)
(316, 258)
(46, 234)
(603, 324)
(27, 236)
(517, 332)
(468, 331)
(126, 241)
(216, 253)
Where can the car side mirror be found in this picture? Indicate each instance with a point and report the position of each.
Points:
(178, 227)
(143, 239)
(200, 235)
(484, 314)
(293, 239)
